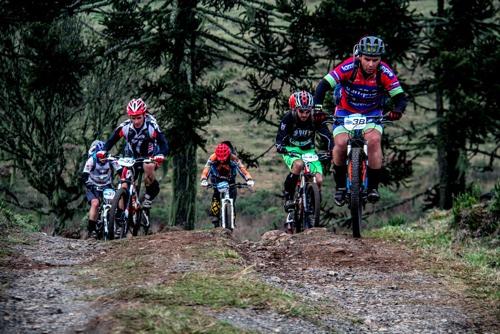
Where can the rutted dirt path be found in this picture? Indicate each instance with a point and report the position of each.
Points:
(363, 286)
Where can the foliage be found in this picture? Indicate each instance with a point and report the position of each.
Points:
(466, 100)
(340, 24)
(495, 201)
(55, 99)
(10, 220)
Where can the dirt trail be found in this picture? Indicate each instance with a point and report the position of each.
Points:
(365, 285)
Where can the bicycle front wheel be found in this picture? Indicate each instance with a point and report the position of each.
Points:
(356, 202)
(313, 205)
(228, 216)
(117, 218)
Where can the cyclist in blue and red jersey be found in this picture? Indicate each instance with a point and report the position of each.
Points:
(144, 139)
(360, 85)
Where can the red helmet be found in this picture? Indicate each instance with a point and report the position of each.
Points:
(136, 107)
(301, 100)
(222, 152)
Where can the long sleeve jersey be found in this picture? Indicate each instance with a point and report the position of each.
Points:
(145, 141)
(293, 132)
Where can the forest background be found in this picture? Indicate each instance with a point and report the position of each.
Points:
(223, 70)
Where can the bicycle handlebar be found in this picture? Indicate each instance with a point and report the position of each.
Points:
(321, 155)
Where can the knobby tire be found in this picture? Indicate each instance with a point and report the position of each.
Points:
(356, 203)
(120, 193)
(227, 216)
(313, 205)
(299, 216)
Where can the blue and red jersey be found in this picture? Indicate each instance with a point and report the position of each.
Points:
(363, 94)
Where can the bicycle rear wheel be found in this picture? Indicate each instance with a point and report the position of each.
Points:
(356, 202)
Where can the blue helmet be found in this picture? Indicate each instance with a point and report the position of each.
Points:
(96, 146)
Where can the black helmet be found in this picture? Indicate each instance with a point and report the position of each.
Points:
(371, 46)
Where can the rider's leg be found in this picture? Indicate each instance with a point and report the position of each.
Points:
(215, 208)
(152, 185)
(291, 181)
(339, 167)
(374, 139)
(93, 212)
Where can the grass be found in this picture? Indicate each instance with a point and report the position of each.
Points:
(473, 261)
(161, 319)
(218, 292)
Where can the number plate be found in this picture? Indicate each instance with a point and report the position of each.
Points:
(310, 157)
(355, 122)
(222, 185)
(126, 162)
(108, 193)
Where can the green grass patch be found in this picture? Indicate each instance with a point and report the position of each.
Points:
(219, 291)
(474, 261)
(162, 319)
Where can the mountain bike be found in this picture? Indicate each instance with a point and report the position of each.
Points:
(226, 212)
(104, 227)
(126, 209)
(307, 199)
(357, 164)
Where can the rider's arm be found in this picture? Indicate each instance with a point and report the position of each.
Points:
(326, 135)
(117, 134)
(400, 101)
(162, 143)
(285, 127)
(391, 84)
(323, 86)
(242, 170)
(205, 173)
(89, 165)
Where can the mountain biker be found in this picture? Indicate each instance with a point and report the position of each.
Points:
(296, 134)
(144, 139)
(223, 165)
(360, 84)
(97, 175)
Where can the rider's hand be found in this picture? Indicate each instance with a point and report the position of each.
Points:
(101, 155)
(159, 159)
(281, 149)
(394, 115)
(250, 182)
(204, 183)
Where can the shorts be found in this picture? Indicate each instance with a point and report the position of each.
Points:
(315, 166)
(338, 129)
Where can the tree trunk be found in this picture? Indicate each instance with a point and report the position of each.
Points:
(183, 209)
(183, 212)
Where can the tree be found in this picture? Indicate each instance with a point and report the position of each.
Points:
(180, 43)
(54, 95)
(461, 47)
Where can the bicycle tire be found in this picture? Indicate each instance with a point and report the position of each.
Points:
(313, 205)
(228, 216)
(110, 235)
(298, 219)
(356, 204)
(121, 221)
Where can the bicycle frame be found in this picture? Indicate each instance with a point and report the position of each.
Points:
(227, 202)
(131, 183)
(302, 209)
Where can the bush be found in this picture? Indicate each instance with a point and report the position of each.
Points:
(397, 220)
(11, 220)
(465, 201)
(495, 200)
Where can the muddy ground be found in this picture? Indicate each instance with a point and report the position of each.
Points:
(366, 285)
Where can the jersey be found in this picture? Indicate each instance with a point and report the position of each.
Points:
(224, 170)
(98, 174)
(363, 94)
(145, 141)
(293, 132)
